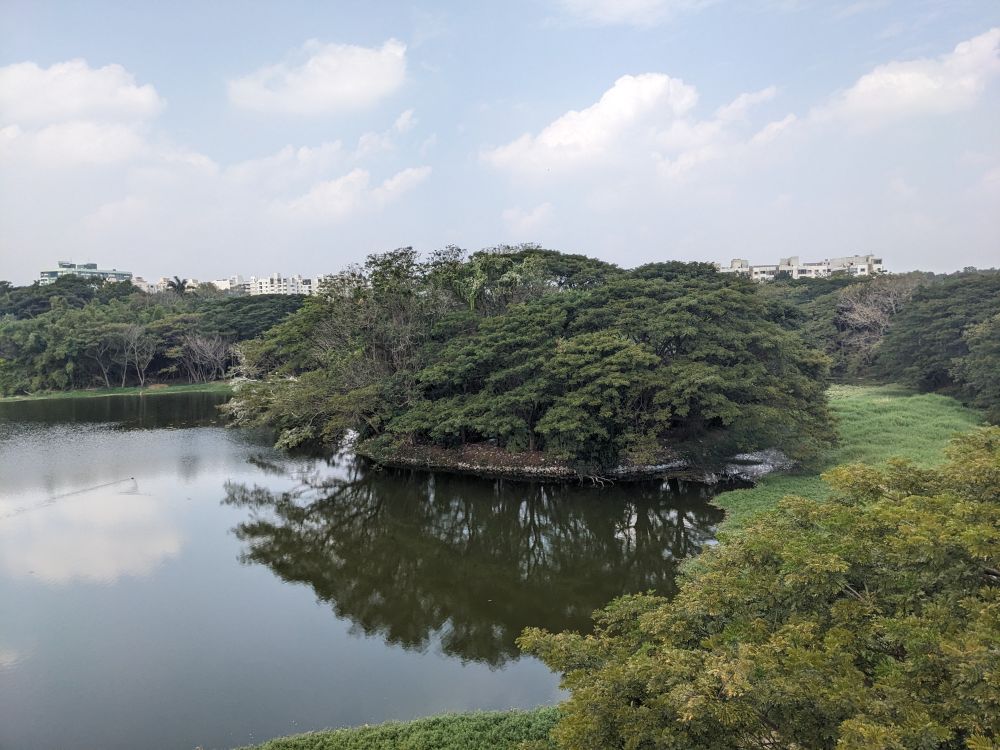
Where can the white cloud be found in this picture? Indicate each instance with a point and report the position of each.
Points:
(738, 108)
(337, 199)
(73, 90)
(405, 122)
(599, 131)
(774, 129)
(323, 79)
(629, 12)
(71, 144)
(520, 222)
(288, 166)
(903, 89)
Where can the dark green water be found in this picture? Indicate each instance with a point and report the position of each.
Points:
(168, 583)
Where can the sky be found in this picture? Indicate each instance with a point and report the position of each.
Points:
(240, 137)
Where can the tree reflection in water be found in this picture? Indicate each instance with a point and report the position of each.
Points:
(416, 557)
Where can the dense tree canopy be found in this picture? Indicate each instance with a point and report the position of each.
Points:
(78, 333)
(926, 343)
(870, 619)
(531, 350)
(914, 328)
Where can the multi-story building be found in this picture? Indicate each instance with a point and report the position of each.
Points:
(235, 284)
(273, 284)
(278, 284)
(853, 265)
(86, 270)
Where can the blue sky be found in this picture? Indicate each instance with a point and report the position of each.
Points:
(205, 139)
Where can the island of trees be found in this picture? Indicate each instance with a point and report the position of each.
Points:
(552, 358)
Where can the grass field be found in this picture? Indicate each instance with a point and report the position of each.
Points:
(874, 423)
(502, 730)
(218, 387)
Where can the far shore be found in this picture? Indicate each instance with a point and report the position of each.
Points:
(149, 390)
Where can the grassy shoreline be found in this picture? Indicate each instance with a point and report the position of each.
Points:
(478, 730)
(151, 390)
(874, 424)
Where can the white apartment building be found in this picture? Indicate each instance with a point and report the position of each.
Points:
(854, 265)
(273, 284)
(86, 270)
(278, 284)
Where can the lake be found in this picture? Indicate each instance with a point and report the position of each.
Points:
(168, 583)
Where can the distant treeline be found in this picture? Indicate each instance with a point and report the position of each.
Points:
(78, 333)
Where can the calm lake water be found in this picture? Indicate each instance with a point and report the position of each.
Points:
(166, 582)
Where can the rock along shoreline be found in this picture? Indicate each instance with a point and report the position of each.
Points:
(492, 462)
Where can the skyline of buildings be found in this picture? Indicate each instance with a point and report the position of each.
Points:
(276, 283)
(853, 265)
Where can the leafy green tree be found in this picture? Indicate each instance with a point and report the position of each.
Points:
(979, 370)
(921, 348)
(870, 619)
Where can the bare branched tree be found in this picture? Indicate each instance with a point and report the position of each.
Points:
(204, 357)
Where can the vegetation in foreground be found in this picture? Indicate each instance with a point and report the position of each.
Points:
(874, 424)
(867, 619)
(505, 730)
(149, 390)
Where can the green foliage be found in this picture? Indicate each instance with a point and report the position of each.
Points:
(844, 316)
(507, 730)
(530, 350)
(74, 291)
(926, 342)
(75, 333)
(869, 619)
(979, 370)
(242, 318)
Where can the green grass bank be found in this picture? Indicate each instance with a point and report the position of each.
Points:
(499, 730)
(153, 390)
(874, 423)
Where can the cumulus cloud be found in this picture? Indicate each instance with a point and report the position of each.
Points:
(598, 132)
(70, 114)
(336, 199)
(323, 79)
(72, 90)
(71, 144)
(629, 12)
(650, 120)
(642, 123)
(902, 89)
